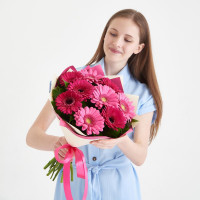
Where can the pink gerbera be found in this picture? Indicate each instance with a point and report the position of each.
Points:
(126, 106)
(114, 118)
(104, 95)
(68, 101)
(90, 119)
(82, 87)
(90, 75)
(69, 77)
(108, 82)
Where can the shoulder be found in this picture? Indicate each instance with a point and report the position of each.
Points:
(137, 88)
(146, 101)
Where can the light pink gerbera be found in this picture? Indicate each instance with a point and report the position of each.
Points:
(69, 77)
(126, 106)
(68, 101)
(90, 119)
(104, 95)
(90, 75)
(83, 88)
(114, 118)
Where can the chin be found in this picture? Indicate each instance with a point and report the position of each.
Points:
(113, 57)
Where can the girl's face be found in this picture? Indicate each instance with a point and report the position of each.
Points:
(121, 40)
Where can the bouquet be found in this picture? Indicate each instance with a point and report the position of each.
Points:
(90, 106)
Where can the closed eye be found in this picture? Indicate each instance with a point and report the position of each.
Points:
(127, 41)
(114, 35)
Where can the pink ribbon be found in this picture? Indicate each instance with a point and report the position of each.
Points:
(80, 166)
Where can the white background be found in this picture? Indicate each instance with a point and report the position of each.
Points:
(42, 37)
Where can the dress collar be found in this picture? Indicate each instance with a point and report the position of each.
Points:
(125, 73)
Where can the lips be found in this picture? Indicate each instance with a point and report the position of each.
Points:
(115, 51)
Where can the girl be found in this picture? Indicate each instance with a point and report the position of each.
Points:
(124, 49)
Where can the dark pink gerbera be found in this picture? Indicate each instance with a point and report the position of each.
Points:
(90, 75)
(104, 95)
(89, 119)
(126, 106)
(68, 101)
(114, 118)
(69, 77)
(82, 87)
(108, 82)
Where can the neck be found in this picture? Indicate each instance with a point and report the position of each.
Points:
(113, 68)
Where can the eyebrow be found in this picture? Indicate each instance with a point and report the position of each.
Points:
(125, 34)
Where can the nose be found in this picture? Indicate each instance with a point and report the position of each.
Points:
(117, 42)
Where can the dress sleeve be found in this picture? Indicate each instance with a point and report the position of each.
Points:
(148, 105)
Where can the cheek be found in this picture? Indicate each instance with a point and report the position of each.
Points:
(130, 50)
(106, 44)
(107, 39)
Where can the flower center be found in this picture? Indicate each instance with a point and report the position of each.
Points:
(123, 107)
(81, 90)
(103, 99)
(88, 121)
(70, 101)
(111, 119)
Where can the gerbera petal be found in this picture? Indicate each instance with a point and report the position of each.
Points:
(104, 95)
(82, 87)
(91, 123)
(68, 101)
(69, 77)
(126, 106)
(114, 118)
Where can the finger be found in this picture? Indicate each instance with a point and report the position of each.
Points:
(63, 141)
(64, 151)
(62, 154)
(61, 157)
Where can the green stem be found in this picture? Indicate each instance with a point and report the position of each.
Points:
(52, 169)
(49, 163)
(71, 169)
(58, 170)
(52, 173)
(57, 165)
(53, 164)
(61, 180)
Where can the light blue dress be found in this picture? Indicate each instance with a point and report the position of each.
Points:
(111, 175)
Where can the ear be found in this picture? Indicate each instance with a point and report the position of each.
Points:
(139, 48)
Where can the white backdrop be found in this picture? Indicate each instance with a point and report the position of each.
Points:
(40, 38)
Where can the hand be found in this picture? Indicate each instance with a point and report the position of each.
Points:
(62, 152)
(108, 143)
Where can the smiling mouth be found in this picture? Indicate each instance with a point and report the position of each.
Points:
(115, 51)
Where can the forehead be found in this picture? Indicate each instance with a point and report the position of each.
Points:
(125, 26)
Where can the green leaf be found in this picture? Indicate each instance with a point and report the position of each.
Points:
(84, 104)
(134, 120)
(56, 91)
(62, 115)
(71, 118)
(66, 84)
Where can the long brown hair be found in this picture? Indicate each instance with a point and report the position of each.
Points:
(140, 65)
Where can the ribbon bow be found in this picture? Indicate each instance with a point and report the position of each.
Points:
(80, 166)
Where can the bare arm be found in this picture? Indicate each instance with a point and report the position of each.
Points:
(36, 136)
(136, 150)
